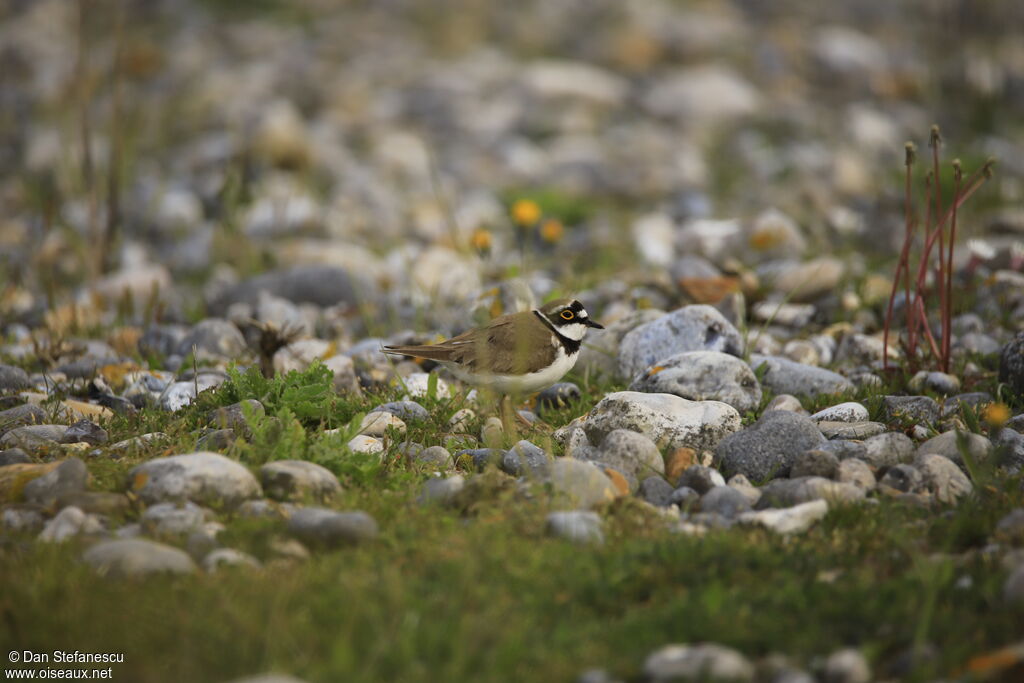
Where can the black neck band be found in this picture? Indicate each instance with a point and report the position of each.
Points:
(571, 346)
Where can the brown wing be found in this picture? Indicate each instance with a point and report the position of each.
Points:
(503, 347)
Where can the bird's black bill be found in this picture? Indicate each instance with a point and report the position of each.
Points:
(590, 323)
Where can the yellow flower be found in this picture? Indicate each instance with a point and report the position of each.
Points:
(525, 212)
(996, 414)
(481, 239)
(552, 231)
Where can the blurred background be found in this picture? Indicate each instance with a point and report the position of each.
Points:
(381, 159)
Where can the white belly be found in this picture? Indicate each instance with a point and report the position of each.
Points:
(520, 384)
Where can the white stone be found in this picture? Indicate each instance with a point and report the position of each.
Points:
(792, 520)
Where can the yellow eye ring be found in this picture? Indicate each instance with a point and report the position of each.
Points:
(568, 315)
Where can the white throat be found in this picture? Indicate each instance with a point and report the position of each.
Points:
(574, 331)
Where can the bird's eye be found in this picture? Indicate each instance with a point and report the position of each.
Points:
(568, 315)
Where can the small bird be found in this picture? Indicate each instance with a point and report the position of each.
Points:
(514, 354)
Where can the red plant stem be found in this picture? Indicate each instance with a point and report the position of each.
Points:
(904, 262)
(922, 267)
(947, 321)
(940, 275)
(923, 321)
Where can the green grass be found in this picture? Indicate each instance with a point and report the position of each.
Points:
(479, 592)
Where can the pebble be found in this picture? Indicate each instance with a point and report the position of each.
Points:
(600, 354)
(378, 422)
(202, 477)
(851, 430)
(857, 472)
(297, 480)
(13, 456)
(703, 376)
(786, 492)
(13, 378)
(238, 417)
(669, 421)
(20, 416)
(581, 483)
(492, 433)
(525, 459)
(630, 453)
(913, 409)
(405, 410)
(768, 448)
(172, 519)
(326, 528)
(366, 445)
(1011, 364)
(85, 431)
(948, 443)
(902, 478)
(792, 520)
(691, 328)
(68, 523)
(177, 395)
(684, 497)
(68, 477)
(558, 395)
(815, 463)
(1013, 587)
(418, 385)
(842, 412)
(578, 526)
(700, 478)
(434, 456)
(783, 376)
(137, 557)
(786, 402)
(725, 501)
(938, 382)
(213, 339)
(847, 666)
(219, 558)
(441, 490)
(943, 478)
(1011, 449)
(655, 490)
(703, 662)
(462, 421)
(19, 519)
(890, 448)
(33, 437)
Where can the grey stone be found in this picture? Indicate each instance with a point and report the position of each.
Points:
(234, 417)
(558, 395)
(725, 501)
(885, 450)
(19, 416)
(704, 662)
(441, 490)
(630, 453)
(22, 519)
(913, 409)
(1011, 448)
(434, 456)
(842, 412)
(346, 381)
(938, 382)
(1010, 529)
(743, 485)
(844, 448)
(975, 399)
(33, 437)
(851, 430)
(68, 523)
(815, 463)
(655, 490)
(228, 557)
(684, 497)
(13, 456)
(700, 478)
(857, 472)
(582, 483)
(691, 328)
(172, 519)
(405, 410)
(67, 478)
(791, 520)
(905, 478)
(703, 376)
(767, 448)
(525, 458)
(330, 529)
(1013, 587)
(481, 457)
(87, 432)
(216, 440)
(783, 376)
(948, 445)
(578, 526)
(177, 395)
(847, 666)
(213, 338)
(13, 378)
(669, 421)
(203, 477)
(786, 402)
(787, 492)
(264, 509)
(943, 478)
(379, 423)
(1011, 364)
(298, 479)
(136, 557)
